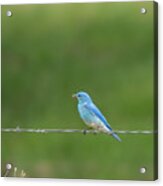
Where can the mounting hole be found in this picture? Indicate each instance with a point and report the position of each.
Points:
(8, 166)
(9, 13)
(143, 10)
(142, 170)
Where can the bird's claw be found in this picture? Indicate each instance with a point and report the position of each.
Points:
(85, 131)
(95, 132)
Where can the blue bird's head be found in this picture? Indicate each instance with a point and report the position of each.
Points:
(82, 97)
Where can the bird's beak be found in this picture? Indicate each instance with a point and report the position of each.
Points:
(74, 96)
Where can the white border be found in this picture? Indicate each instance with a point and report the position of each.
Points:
(59, 1)
(62, 182)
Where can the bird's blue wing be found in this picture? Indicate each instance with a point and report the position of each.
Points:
(95, 111)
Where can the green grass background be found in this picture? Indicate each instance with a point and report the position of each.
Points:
(50, 52)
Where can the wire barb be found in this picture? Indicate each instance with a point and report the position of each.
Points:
(30, 130)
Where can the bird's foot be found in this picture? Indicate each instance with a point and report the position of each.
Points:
(85, 131)
(95, 132)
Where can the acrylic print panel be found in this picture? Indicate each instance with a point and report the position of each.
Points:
(50, 52)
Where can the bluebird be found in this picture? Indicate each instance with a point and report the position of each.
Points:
(91, 115)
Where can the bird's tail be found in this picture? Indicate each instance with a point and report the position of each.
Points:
(116, 137)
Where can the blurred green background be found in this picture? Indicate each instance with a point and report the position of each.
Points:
(50, 52)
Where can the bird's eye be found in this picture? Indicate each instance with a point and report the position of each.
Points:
(79, 95)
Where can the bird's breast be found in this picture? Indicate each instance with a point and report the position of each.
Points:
(84, 113)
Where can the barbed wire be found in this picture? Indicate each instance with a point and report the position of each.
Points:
(84, 131)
